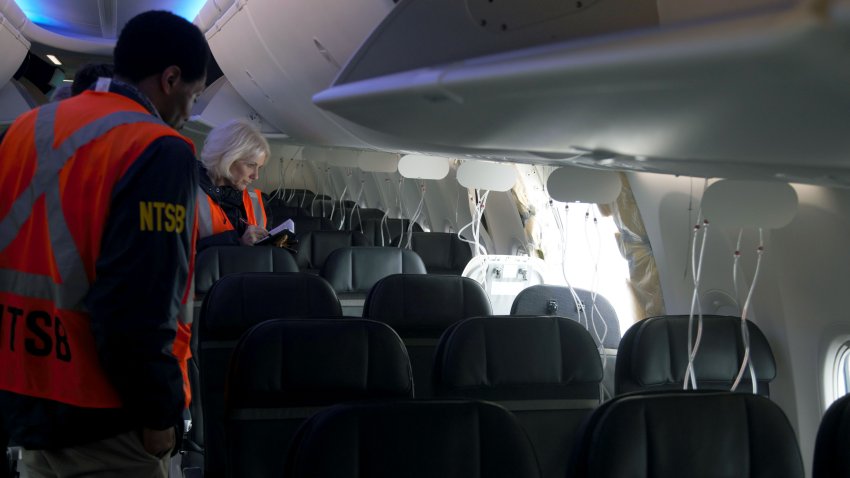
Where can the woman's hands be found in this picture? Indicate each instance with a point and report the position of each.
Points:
(252, 235)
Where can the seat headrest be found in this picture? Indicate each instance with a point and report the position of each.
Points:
(382, 231)
(544, 299)
(281, 211)
(322, 207)
(315, 246)
(216, 262)
(831, 457)
(515, 358)
(357, 269)
(653, 355)
(423, 305)
(317, 362)
(442, 252)
(444, 438)
(674, 434)
(364, 213)
(305, 224)
(239, 301)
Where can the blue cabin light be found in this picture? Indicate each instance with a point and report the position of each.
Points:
(188, 9)
(51, 15)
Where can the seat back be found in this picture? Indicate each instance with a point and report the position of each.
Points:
(233, 305)
(305, 224)
(653, 355)
(216, 262)
(598, 316)
(281, 211)
(211, 265)
(546, 370)
(442, 252)
(322, 206)
(542, 299)
(315, 247)
(675, 434)
(352, 271)
(382, 231)
(440, 438)
(360, 214)
(283, 371)
(831, 457)
(296, 197)
(420, 307)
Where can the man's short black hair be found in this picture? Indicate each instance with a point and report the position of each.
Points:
(88, 75)
(152, 41)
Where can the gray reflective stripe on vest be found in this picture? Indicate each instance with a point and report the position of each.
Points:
(257, 205)
(205, 225)
(50, 161)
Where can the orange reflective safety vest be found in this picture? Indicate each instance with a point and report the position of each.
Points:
(54, 201)
(213, 220)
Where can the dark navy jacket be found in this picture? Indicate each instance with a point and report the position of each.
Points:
(132, 308)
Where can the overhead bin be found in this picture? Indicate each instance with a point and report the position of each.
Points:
(422, 33)
(750, 95)
(220, 102)
(278, 54)
(14, 101)
(14, 47)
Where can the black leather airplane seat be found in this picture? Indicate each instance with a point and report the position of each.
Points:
(831, 457)
(546, 370)
(352, 271)
(422, 439)
(233, 305)
(679, 434)
(653, 355)
(442, 252)
(315, 247)
(283, 371)
(420, 307)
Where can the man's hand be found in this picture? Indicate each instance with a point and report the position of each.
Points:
(158, 442)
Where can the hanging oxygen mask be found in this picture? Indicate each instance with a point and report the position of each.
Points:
(595, 323)
(738, 204)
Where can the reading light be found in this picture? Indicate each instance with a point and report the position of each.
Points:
(54, 60)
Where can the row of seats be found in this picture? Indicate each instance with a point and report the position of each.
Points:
(325, 214)
(351, 270)
(674, 333)
(543, 369)
(238, 301)
(441, 252)
(240, 297)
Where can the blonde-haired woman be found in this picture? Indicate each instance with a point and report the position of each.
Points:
(230, 212)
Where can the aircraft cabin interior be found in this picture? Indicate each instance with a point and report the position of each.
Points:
(586, 238)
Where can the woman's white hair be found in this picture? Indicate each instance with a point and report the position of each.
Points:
(229, 142)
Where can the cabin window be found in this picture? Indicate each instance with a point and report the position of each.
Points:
(841, 372)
